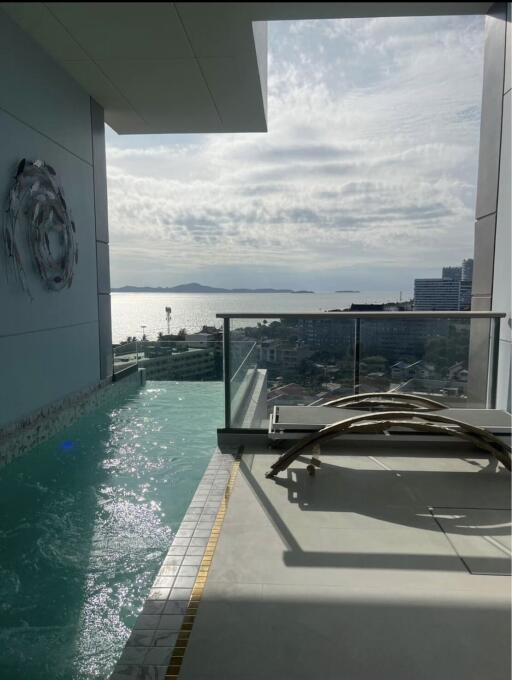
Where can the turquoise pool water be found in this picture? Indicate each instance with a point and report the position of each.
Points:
(85, 520)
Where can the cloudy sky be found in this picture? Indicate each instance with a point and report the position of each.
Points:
(365, 179)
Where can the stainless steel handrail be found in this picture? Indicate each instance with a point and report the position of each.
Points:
(362, 315)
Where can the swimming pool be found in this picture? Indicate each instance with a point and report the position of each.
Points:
(85, 521)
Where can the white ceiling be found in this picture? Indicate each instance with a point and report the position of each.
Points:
(159, 67)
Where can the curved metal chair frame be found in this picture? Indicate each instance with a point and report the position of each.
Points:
(377, 423)
(386, 400)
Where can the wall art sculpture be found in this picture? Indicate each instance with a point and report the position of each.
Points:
(37, 218)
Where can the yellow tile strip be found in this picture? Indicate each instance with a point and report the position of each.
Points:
(180, 648)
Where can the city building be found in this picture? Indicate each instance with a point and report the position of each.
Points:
(186, 364)
(451, 292)
(205, 338)
(454, 273)
(436, 295)
(273, 352)
(466, 287)
(467, 270)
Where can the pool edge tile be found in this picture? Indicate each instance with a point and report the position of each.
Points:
(214, 485)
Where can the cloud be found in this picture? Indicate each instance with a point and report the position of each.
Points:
(369, 166)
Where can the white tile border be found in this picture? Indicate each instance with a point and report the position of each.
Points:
(161, 617)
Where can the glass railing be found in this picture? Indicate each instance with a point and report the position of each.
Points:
(310, 359)
(243, 364)
(125, 358)
(170, 360)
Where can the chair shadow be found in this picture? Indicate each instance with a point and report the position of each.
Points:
(394, 497)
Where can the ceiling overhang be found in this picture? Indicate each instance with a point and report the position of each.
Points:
(183, 67)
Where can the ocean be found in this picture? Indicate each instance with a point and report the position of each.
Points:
(131, 311)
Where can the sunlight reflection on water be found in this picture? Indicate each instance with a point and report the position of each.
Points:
(84, 528)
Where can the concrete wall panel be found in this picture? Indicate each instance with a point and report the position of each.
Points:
(39, 368)
(49, 308)
(503, 393)
(105, 335)
(102, 252)
(503, 251)
(100, 171)
(483, 268)
(508, 58)
(490, 126)
(50, 345)
(40, 93)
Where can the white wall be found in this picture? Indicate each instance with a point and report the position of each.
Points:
(491, 273)
(501, 295)
(49, 348)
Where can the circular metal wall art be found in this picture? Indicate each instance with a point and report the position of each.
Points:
(37, 210)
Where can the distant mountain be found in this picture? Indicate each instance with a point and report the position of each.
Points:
(199, 288)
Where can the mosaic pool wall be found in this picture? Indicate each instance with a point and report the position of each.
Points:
(18, 438)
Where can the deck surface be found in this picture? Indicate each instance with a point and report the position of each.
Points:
(389, 563)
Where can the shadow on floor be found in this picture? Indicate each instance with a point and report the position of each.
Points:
(289, 632)
(402, 498)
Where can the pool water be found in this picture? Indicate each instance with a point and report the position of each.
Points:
(85, 520)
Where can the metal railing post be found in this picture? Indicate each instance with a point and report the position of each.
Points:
(227, 373)
(493, 373)
(357, 350)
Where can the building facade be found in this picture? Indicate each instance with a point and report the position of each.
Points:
(467, 269)
(454, 273)
(436, 295)
(452, 292)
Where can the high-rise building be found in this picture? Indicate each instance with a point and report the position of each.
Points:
(436, 294)
(451, 292)
(467, 270)
(453, 273)
(465, 295)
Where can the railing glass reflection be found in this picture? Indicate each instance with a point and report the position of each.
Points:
(309, 359)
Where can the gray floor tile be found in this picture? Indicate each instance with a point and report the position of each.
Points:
(480, 536)
(165, 638)
(169, 570)
(192, 560)
(133, 655)
(170, 622)
(153, 607)
(146, 621)
(176, 607)
(180, 594)
(159, 593)
(158, 656)
(185, 582)
(141, 638)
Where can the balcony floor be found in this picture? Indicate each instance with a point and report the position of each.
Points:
(391, 562)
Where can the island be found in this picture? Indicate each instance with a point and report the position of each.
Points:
(347, 291)
(199, 288)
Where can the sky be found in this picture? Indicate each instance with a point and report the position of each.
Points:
(365, 179)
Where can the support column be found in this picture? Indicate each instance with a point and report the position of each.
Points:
(102, 250)
(484, 274)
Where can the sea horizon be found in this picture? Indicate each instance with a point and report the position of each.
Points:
(132, 310)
